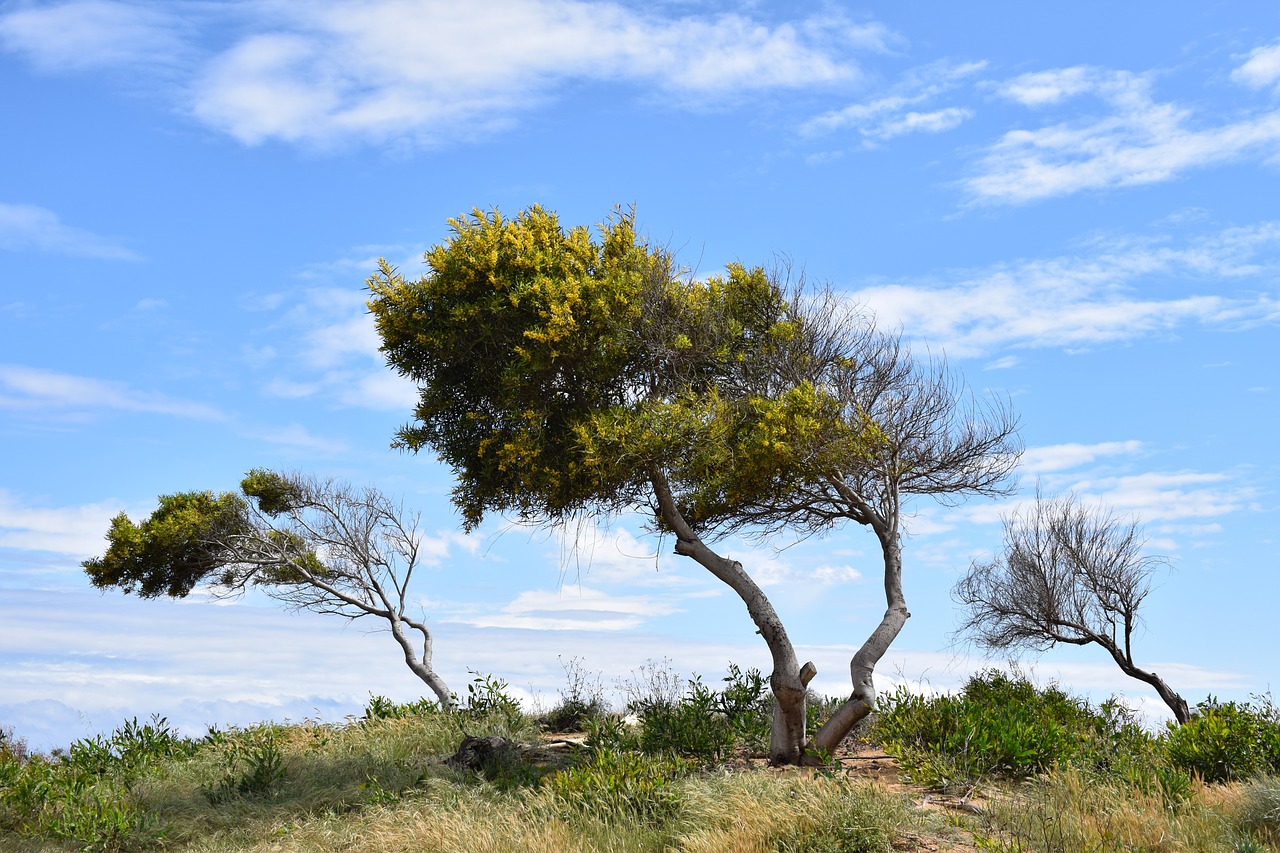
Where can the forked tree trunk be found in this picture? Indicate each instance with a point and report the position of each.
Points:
(421, 666)
(788, 680)
(862, 668)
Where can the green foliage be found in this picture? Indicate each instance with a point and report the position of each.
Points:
(516, 332)
(557, 370)
(1227, 740)
(487, 703)
(275, 493)
(84, 796)
(382, 708)
(747, 705)
(997, 725)
(615, 785)
(580, 702)
(251, 761)
(693, 727)
(174, 549)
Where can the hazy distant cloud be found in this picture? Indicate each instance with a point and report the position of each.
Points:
(1085, 300)
(1136, 140)
(902, 111)
(322, 73)
(576, 608)
(76, 530)
(298, 437)
(25, 227)
(33, 388)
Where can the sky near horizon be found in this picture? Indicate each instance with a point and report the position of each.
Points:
(1077, 204)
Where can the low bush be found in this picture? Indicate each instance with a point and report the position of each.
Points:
(1225, 741)
(618, 786)
(998, 725)
(83, 796)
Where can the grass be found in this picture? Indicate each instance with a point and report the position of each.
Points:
(1052, 774)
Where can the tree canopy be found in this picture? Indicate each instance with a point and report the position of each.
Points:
(316, 545)
(561, 373)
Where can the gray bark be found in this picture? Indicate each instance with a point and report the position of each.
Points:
(788, 680)
(862, 667)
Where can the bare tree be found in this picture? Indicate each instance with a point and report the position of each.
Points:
(317, 545)
(1068, 574)
(919, 433)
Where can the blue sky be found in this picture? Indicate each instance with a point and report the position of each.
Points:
(1076, 204)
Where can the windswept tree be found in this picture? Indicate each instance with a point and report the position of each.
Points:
(561, 375)
(317, 545)
(1069, 574)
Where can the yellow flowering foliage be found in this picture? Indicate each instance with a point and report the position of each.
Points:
(557, 368)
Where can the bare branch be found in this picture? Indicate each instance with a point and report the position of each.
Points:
(1067, 574)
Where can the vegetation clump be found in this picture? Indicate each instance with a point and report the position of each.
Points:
(1051, 773)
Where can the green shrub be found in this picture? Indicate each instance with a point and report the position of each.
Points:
(747, 704)
(613, 785)
(693, 726)
(1224, 741)
(581, 700)
(382, 708)
(998, 725)
(251, 761)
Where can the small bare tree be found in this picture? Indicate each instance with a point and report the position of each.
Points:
(1068, 574)
(317, 545)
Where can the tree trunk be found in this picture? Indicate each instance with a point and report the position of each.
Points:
(1171, 697)
(421, 667)
(862, 667)
(788, 680)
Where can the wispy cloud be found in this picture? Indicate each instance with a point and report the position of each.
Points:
(94, 34)
(1057, 457)
(26, 227)
(576, 608)
(337, 357)
(1261, 69)
(1134, 140)
(902, 110)
(1085, 300)
(36, 389)
(74, 530)
(323, 73)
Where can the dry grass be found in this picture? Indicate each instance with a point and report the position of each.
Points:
(1070, 810)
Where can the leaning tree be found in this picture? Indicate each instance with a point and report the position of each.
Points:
(1068, 573)
(561, 375)
(317, 545)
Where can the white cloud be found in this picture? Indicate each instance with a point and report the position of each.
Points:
(575, 608)
(25, 227)
(894, 115)
(92, 34)
(32, 388)
(75, 530)
(1136, 141)
(1168, 496)
(1057, 457)
(322, 73)
(1261, 69)
(1041, 88)
(1085, 300)
(298, 437)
